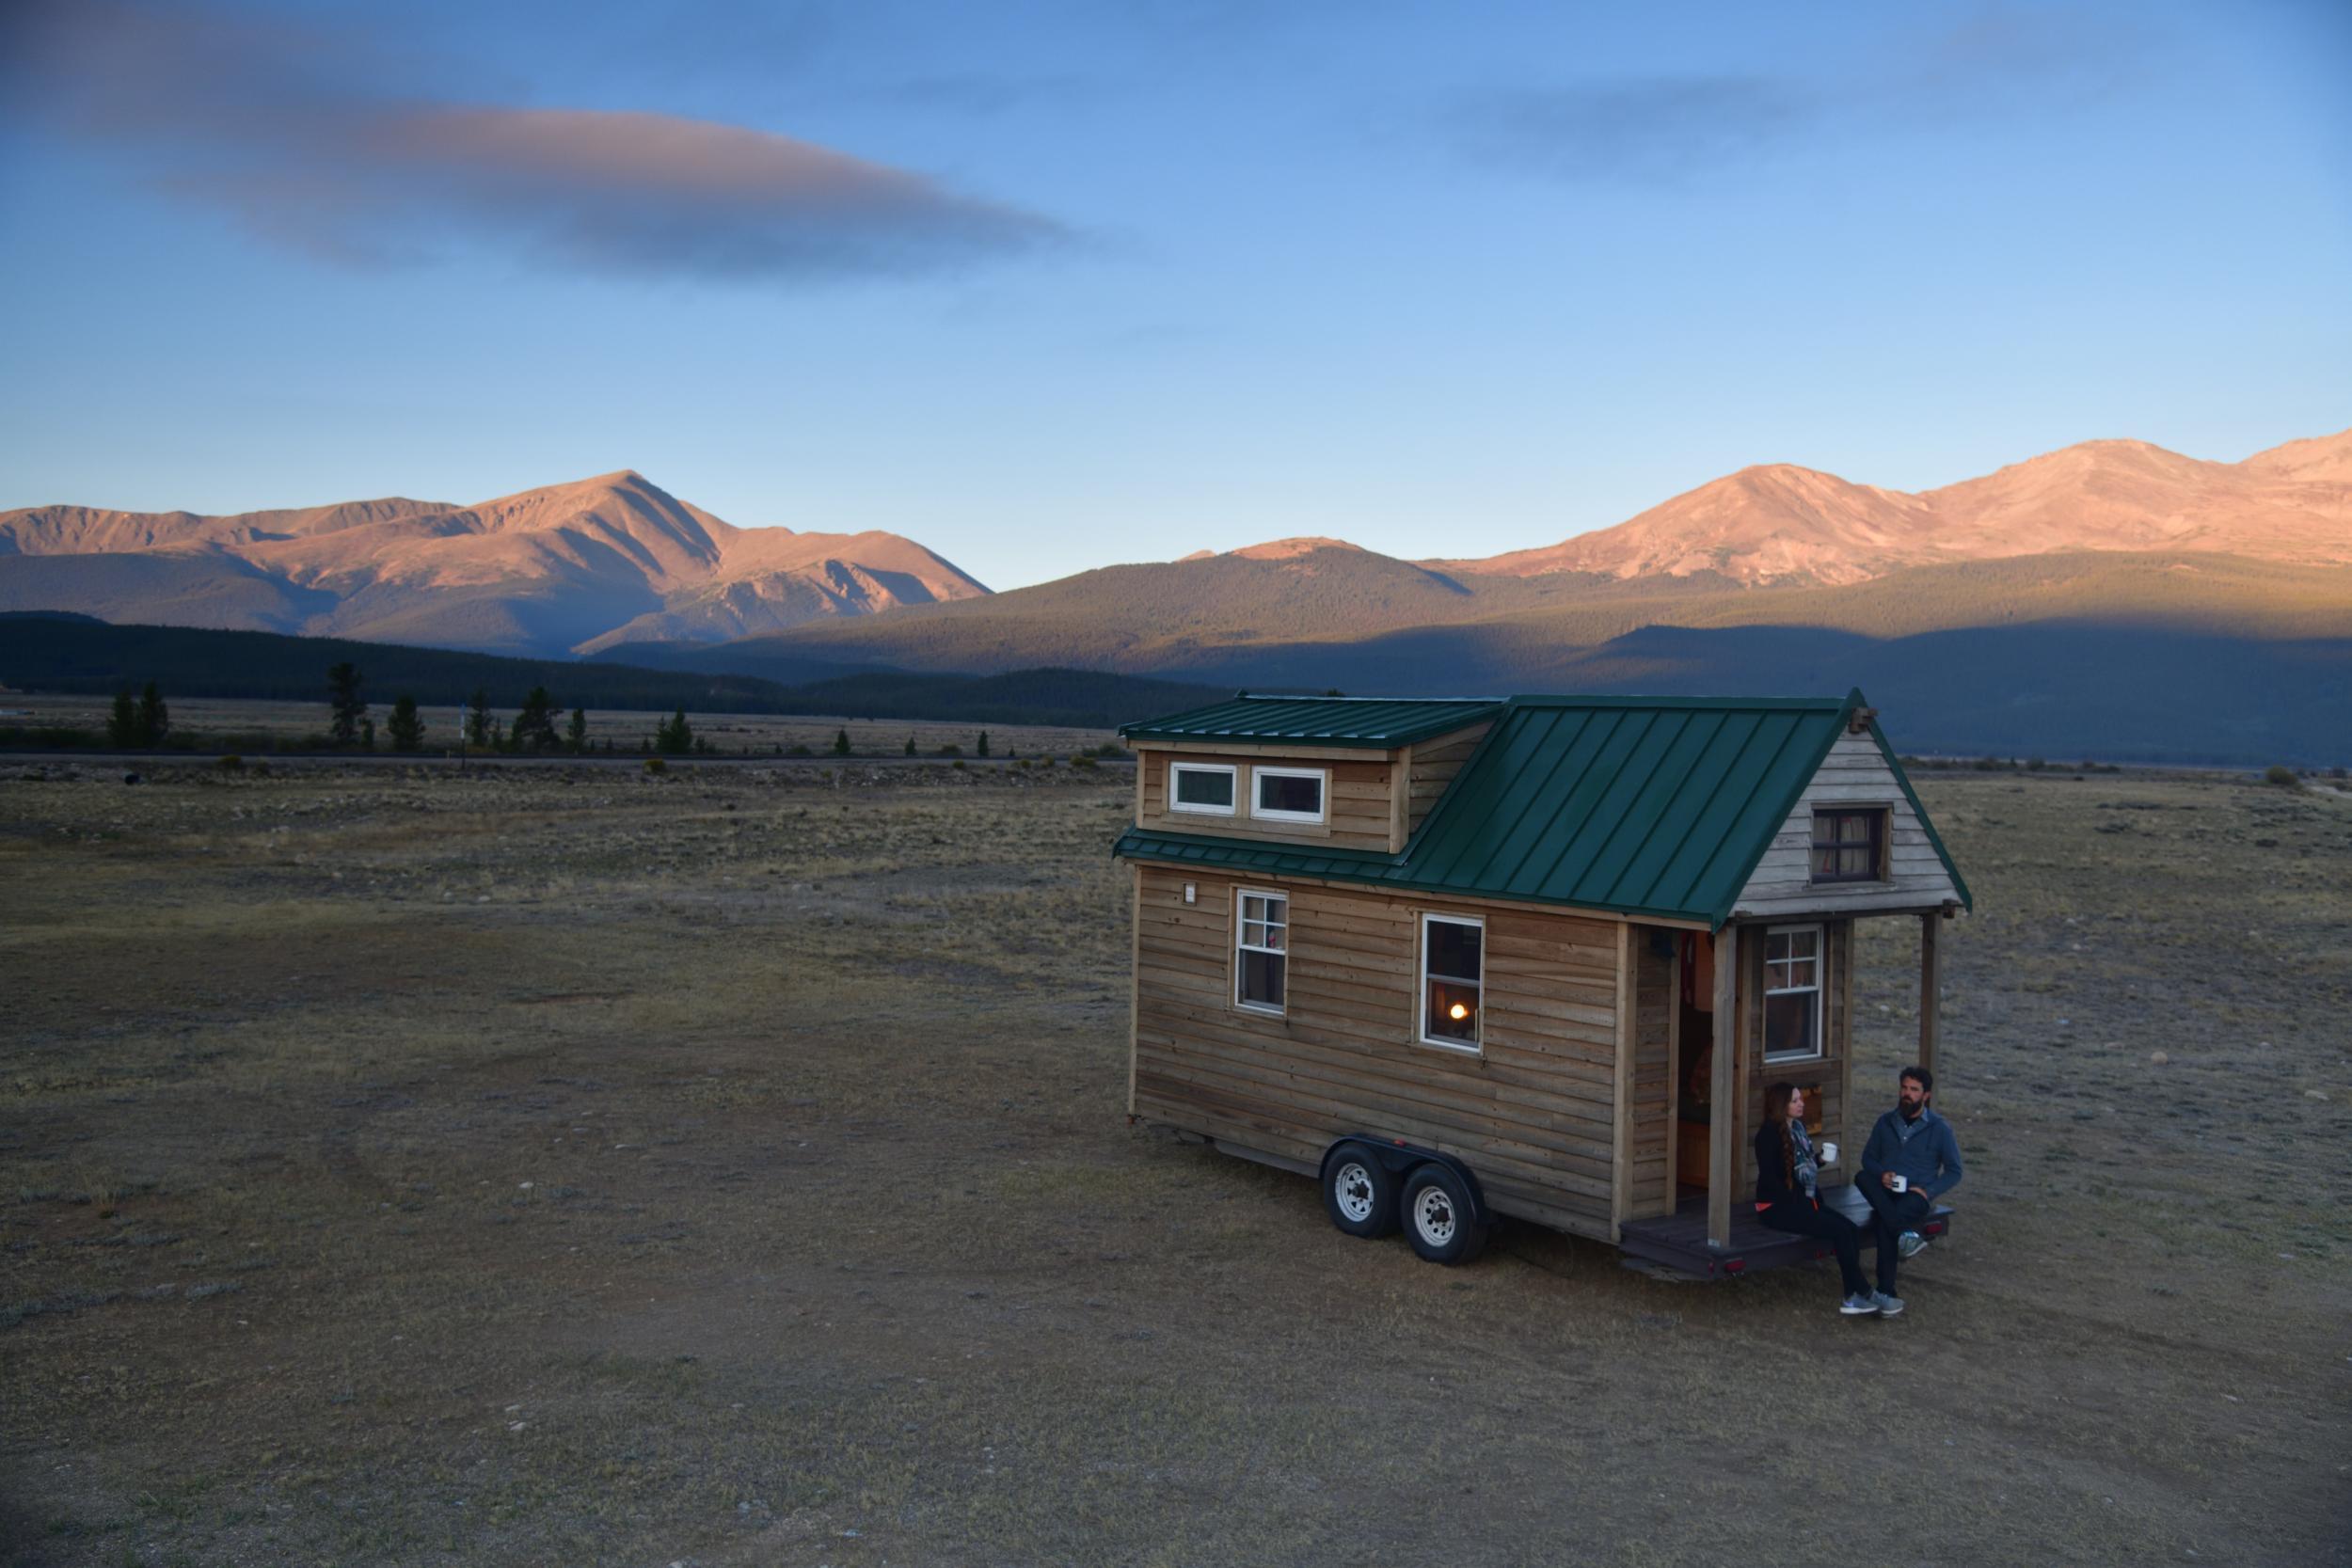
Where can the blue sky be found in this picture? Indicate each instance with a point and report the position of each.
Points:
(1048, 286)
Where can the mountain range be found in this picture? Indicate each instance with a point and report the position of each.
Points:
(2161, 604)
(567, 569)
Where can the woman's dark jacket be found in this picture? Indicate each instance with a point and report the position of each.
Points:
(1771, 1175)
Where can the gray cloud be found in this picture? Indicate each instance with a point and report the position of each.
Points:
(307, 140)
(1672, 131)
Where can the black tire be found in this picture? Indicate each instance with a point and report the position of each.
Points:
(1360, 1192)
(1438, 1216)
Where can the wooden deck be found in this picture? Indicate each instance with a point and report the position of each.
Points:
(1679, 1240)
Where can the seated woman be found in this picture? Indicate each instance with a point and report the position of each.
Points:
(1787, 1192)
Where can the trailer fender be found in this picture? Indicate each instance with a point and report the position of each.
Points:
(1397, 1155)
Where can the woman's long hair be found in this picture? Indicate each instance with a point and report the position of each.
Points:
(1776, 1115)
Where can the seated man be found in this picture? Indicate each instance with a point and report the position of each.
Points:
(1912, 1149)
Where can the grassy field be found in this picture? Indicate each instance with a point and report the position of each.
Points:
(572, 1167)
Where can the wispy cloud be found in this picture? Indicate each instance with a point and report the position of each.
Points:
(308, 141)
(1678, 130)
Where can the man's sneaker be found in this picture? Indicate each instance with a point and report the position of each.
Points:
(1889, 1306)
(1856, 1306)
(1910, 1245)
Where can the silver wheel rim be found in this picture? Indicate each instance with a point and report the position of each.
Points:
(1352, 1190)
(1434, 1216)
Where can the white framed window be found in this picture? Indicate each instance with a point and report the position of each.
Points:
(1453, 980)
(1290, 793)
(1792, 992)
(1205, 787)
(1261, 950)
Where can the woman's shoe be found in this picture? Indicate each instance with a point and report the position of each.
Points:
(1856, 1306)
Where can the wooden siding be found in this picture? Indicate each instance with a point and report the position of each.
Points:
(1533, 1115)
(1853, 773)
(1358, 802)
(1430, 766)
(1656, 993)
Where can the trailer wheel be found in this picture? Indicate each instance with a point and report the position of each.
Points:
(1359, 1193)
(1440, 1219)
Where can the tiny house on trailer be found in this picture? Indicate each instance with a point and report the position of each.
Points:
(1536, 956)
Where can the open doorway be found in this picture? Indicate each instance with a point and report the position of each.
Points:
(1695, 1056)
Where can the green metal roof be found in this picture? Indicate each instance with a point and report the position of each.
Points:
(1659, 807)
(1382, 722)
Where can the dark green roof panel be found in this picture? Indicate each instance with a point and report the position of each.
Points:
(1650, 805)
(1373, 721)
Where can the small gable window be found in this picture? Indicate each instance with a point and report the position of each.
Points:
(1204, 787)
(1262, 951)
(1288, 794)
(1850, 845)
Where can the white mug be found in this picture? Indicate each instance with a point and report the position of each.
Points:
(1829, 1155)
(1902, 1184)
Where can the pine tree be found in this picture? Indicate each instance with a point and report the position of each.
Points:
(534, 726)
(154, 720)
(367, 735)
(841, 743)
(348, 707)
(577, 737)
(674, 737)
(478, 718)
(122, 726)
(982, 748)
(406, 727)
(910, 742)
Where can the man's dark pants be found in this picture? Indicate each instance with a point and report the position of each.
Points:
(1892, 1214)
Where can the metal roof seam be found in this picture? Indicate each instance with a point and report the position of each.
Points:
(1634, 855)
(1697, 819)
(1649, 722)
(1788, 803)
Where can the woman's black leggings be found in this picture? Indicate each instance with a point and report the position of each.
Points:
(1800, 1218)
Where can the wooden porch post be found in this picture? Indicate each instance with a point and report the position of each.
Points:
(1720, 1094)
(1930, 987)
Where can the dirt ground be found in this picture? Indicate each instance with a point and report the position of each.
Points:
(563, 1166)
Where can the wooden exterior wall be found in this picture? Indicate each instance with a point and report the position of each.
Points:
(1534, 1114)
(1430, 766)
(1652, 1111)
(1360, 804)
(1853, 773)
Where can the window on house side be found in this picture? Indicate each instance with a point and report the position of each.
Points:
(1200, 787)
(1453, 976)
(1261, 951)
(1792, 992)
(1288, 794)
(1850, 846)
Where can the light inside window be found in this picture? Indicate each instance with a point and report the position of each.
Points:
(1452, 967)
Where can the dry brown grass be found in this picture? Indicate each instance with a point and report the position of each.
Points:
(730, 1169)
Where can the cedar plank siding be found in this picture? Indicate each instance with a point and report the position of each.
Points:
(1431, 766)
(1655, 987)
(1358, 804)
(1532, 1115)
(1853, 773)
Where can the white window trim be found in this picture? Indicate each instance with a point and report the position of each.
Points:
(1283, 952)
(1323, 780)
(1229, 769)
(1420, 991)
(1819, 988)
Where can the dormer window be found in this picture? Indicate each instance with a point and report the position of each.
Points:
(1850, 845)
(1206, 788)
(1290, 793)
